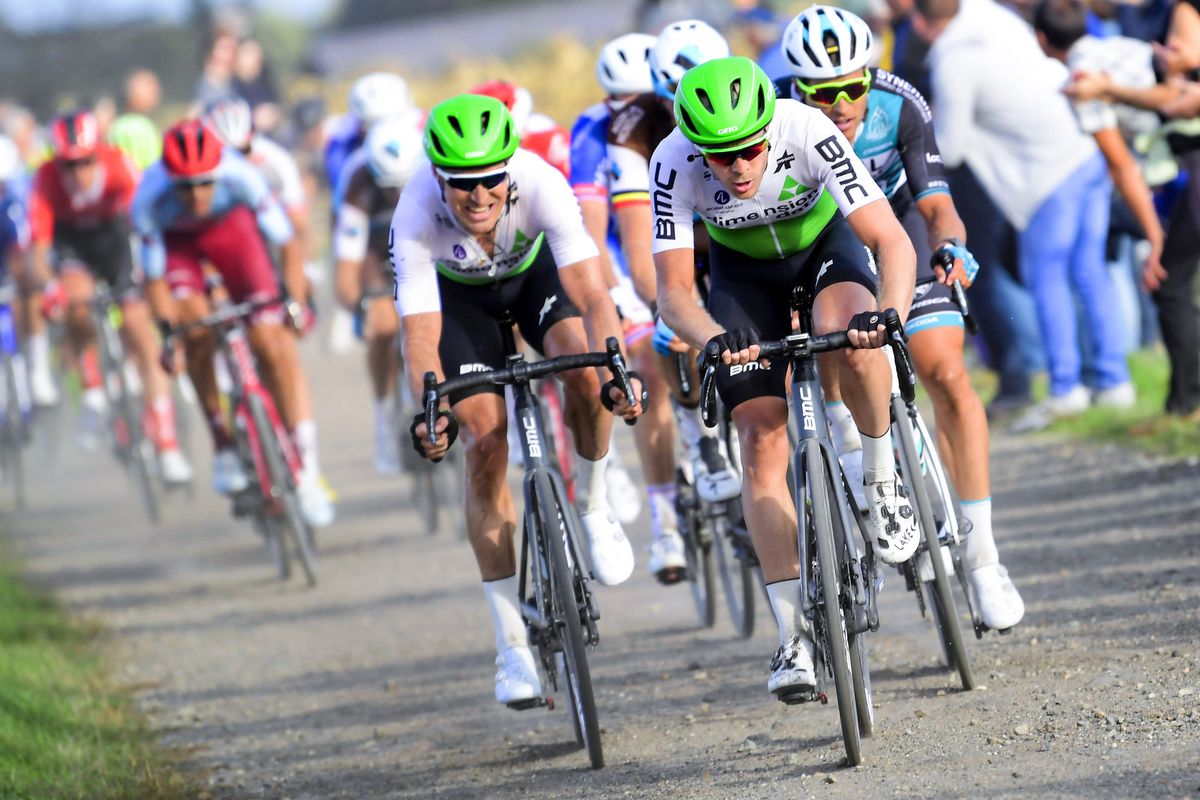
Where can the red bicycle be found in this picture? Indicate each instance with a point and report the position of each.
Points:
(268, 454)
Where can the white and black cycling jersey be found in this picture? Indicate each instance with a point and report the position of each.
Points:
(427, 239)
(812, 172)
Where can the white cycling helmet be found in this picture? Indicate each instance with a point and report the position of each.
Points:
(378, 95)
(681, 46)
(10, 160)
(823, 43)
(624, 64)
(394, 148)
(231, 120)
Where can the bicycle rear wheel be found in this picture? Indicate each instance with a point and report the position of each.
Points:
(940, 588)
(567, 620)
(836, 645)
(294, 530)
(142, 457)
(737, 580)
(698, 552)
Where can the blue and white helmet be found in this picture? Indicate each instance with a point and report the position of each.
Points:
(681, 46)
(823, 43)
(394, 149)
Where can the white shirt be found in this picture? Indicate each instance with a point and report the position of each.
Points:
(427, 238)
(1128, 62)
(999, 109)
(280, 170)
(812, 172)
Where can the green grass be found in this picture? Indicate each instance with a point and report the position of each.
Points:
(1145, 426)
(65, 730)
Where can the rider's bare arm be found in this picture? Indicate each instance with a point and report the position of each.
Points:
(943, 222)
(350, 243)
(677, 302)
(877, 228)
(595, 219)
(636, 224)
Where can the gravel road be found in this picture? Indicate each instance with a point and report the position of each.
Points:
(378, 683)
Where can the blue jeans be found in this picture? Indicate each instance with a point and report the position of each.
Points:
(1063, 248)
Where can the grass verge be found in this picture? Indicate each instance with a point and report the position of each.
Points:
(65, 730)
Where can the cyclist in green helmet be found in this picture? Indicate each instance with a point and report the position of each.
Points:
(786, 202)
(138, 138)
(490, 229)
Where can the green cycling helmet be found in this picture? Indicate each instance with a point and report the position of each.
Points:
(723, 101)
(138, 138)
(470, 130)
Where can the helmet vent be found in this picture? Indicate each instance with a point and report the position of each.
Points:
(735, 92)
(812, 56)
(830, 42)
(485, 120)
(762, 103)
(705, 100)
(608, 72)
(437, 143)
(454, 123)
(682, 60)
(686, 118)
(507, 135)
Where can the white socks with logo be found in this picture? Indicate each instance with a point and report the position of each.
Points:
(879, 462)
(845, 433)
(785, 599)
(981, 545)
(506, 614)
(592, 483)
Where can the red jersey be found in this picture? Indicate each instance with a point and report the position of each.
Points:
(54, 202)
(548, 139)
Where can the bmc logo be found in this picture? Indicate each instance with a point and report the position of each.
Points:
(738, 369)
(469, 368)
(831, 150)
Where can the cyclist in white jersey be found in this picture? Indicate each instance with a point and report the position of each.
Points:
(783, 198)
(491, 230)
(891, 127)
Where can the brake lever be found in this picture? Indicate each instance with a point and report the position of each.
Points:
(708, 385)
(431, 404)
(946, 262)
(905, 376)
(684, 374)
(616, 365)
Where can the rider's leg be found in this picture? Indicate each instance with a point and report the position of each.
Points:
(846, 438)
(144, 348)
(78, 287)
(33, 330)
(382, 325)
(866, 383)
(715, 480)
(200, 347)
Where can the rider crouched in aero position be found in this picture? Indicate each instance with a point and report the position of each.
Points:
(891, 128)
(490, 230)
(78, 207)
(202, 204)
(783, 197)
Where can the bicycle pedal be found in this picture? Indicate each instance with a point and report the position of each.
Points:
(533, 702)
(796, 695)
(672, 575)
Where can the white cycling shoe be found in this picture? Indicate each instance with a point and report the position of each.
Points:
(174, 467)
(228, 477)
(715, 479)
(996, 598)
(892, 521)
(623, 496)
(667, 561)
(612, 555)
(93, 408)
(792, 667)
(315, 505)
(42, 387)
(517, 676)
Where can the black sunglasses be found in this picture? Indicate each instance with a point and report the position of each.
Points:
(467, 183)
(79, 163)
(187, 185)
(726, 159)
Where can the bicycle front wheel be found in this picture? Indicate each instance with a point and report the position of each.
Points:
(141, 455)
(737, 580)
(940, 589)
(14, 434)
(836, 645)
(291, 522)
(566, 615)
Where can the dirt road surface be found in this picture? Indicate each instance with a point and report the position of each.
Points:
(378, 683)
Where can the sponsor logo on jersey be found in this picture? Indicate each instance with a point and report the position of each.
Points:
(664, 226)
(466, 369)
(738, 369)
(460, 252)
(783, 162)
(520, 240)
(830, 149)
(549, 304)
(803, 202)
(933, 158)
(879, 124)
(624, 123)
(791, 188)
(922, 290)
(824, 268)
(722, 197)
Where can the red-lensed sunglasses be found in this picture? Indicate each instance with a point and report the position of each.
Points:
(727, 157)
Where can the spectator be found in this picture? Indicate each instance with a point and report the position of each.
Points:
(1000, 111)
(216, 77)
(252, 82)
(134, 133)
(143, 93)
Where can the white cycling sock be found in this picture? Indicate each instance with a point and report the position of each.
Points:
(662, 508)
(383, 416)
(39, 352)
(845, 433)
(785, 600)
(306, 439)
(879, 463)
(506, 614)
(591, 483)
(981, 545)
(691, 428)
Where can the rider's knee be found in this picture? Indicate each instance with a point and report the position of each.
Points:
(762, 432)
(487, 451)
(947, 380)
(860, 362)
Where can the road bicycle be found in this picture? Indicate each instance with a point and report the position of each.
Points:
(268, 454)
(839, 581)
(16, 401)
(556, 602)
(124, 402)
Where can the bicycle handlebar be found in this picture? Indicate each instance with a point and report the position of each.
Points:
(228, 313)
(802, 345)
(944, 260)
(523, 372)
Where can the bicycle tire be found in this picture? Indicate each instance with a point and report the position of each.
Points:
(276, 546)
(141, 456)
(951, 636)
(296, 531)
(560, 660)
(567, 619)
(14, 439)
(737, 581)
(836, 631)
(702, 578)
